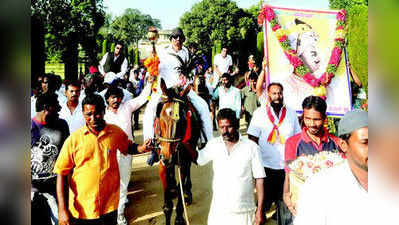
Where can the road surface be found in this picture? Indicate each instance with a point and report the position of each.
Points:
(146, 196)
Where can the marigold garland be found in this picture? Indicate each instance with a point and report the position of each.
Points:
(319, 84)
(152, 65)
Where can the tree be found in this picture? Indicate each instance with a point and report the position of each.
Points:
(136, 56)
(220, 20)
(346, 4)
(132, 26)
(71, 22)
(38, 56)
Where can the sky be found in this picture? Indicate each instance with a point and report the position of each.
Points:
(170, 11)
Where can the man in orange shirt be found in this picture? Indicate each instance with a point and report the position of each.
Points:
(88, 171)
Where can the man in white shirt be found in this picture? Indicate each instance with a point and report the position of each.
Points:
(108, 83)
(228, 95)
(119, 113)
(71, 110)
(222, 62)
(339, 196)
(172, 78)
(270, 126)
(236, 164)
(211, 80)
(114, 65)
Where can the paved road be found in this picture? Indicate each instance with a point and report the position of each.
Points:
(146, 197)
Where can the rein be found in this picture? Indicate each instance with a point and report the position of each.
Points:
(169, 140)
(173, 99)
(175, 117)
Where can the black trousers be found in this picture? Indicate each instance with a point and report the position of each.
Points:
(248, 117)
(273, 184)
(106, 219)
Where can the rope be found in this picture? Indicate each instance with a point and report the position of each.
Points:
(181, 186)
(182, 196)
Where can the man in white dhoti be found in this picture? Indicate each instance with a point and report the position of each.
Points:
(120, 113)
(172, 78)
(236, 164)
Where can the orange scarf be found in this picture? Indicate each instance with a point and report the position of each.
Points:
(273, 134)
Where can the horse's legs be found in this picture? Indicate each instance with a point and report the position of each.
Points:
(171, 180)
(168, 203)
(186, 175)
(179, 207)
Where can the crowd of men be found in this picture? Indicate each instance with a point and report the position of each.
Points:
(82, 139)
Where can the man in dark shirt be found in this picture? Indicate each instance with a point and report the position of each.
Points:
(114, 64)
(48, 134)
(313, 139)
(249, 99)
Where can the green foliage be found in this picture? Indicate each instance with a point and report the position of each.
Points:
(105, 32)
(132, 26)
(259, 46)
(222, 20)
(213, 53)
(112, 47)
(332, 129)
(71, 23)
(302, 70)
(358, 42)
(218, 46)
(136, 56)
(357, 37)
(346, 4)
(53, 53)
(331, 68)
(130, 55)
(77, 20)
(104, 47)
(58, 68)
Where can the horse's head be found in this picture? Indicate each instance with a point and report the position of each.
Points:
(172, 124)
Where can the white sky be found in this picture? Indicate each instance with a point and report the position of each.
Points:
(170, 11)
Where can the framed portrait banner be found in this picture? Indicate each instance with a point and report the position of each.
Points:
(306, 54)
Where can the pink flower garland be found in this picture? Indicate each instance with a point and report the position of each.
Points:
(299, 68)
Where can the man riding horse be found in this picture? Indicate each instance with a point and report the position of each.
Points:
(173, 78)
(178, 120)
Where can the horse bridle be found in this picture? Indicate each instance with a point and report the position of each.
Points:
(172, 140)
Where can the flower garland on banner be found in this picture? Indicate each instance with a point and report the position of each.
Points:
(300, 69)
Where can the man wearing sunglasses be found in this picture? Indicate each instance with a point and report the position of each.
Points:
(172, 78)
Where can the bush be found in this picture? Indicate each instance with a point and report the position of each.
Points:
(357, 36)
(358, 41)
